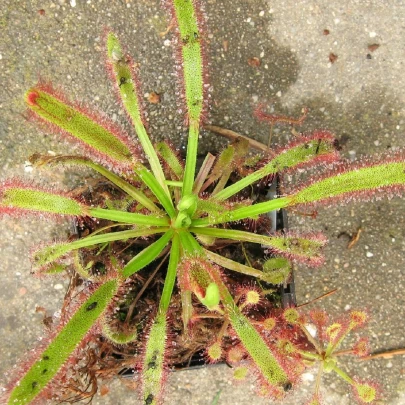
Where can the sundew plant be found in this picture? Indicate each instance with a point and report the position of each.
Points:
(184, 213)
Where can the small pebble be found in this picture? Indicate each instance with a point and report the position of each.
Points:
(352, 155)
(58, 286)
(311, 329)
(28, 167)
(308, 377)
(369, 254)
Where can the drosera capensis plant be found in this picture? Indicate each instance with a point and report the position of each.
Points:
(185, 215)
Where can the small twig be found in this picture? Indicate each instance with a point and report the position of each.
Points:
(270, 135)
(355, 238)
(318, 298)
(384, 355)
(167, 30)
(245, 254)
(227, 133)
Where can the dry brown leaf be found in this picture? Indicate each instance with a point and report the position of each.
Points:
(355, 239)
(154, 98)
(254, 62)
(332, 57)
(373, 47)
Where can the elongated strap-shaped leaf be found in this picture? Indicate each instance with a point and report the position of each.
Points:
(132, 191)
(153, 365)
(265, 361)
(185, 17)
(60, 348)
(168, 155)
(105, 144)
(235, 266)
(53, 252)
(311, 148)
(30, 199)
(361, 181)
(191, 54)
(171, 273)
(26, 198)
(296, 247)
(344, 184)
(147, 255)
(240, 146)
(150, 180)
(128, 217)
(270, 368)
(251, 211)
(191, 159)
(126, 82)
(263, 358)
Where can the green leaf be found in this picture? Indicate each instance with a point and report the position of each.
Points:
(265, 361)
(252, 211)
(276, 270)
(235, 266)
(131, 190)
(212, 298)
(191, 55)
(153, 364)
(102, 141)
(53, 252)
(171, 273)
(21, 197)
(358, 181)
(192, 64)
(60, 348)
(298, 153)
(302, 248)
(147, 255)
(126, 82)
(128, 217)
(258, 350)
(171, 159)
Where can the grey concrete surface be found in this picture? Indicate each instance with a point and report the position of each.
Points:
(360, 97)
